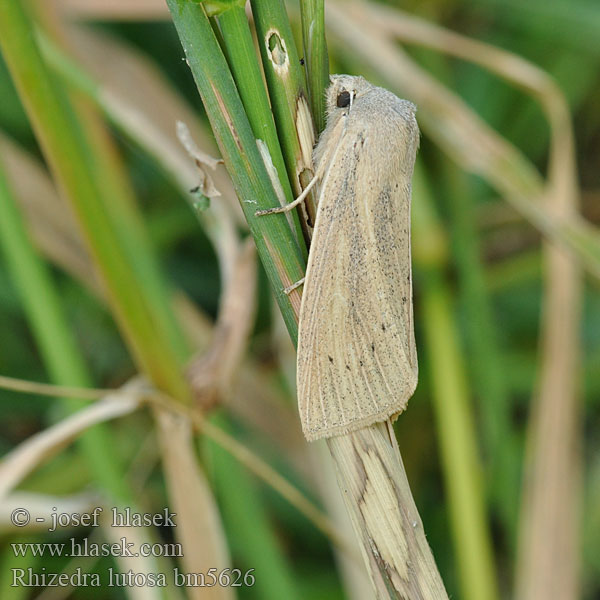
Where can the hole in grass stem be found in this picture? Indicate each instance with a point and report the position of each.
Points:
(277, 49)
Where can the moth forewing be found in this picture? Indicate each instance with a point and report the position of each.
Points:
(357, 361)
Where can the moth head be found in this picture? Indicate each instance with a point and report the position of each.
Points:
(344, 91)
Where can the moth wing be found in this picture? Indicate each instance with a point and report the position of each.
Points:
(357, 361)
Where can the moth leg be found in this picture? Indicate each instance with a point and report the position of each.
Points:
(291, 205)
(291, 288)
(318, 175)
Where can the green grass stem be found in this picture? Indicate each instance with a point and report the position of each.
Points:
(316, 58)
(143, 323)
(490, 383)
(289, 98)
(250, 532)
(278, 249)
(42, 305)
(459, 450)
(243, 62)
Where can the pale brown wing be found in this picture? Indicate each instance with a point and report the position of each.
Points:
(356, 352)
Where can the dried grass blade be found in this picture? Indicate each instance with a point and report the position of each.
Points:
(203, 539)
(41, 446)
(114, 10)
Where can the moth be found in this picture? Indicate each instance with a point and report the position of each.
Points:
(357, 360)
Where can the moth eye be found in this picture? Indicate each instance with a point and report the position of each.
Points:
(343, 99)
